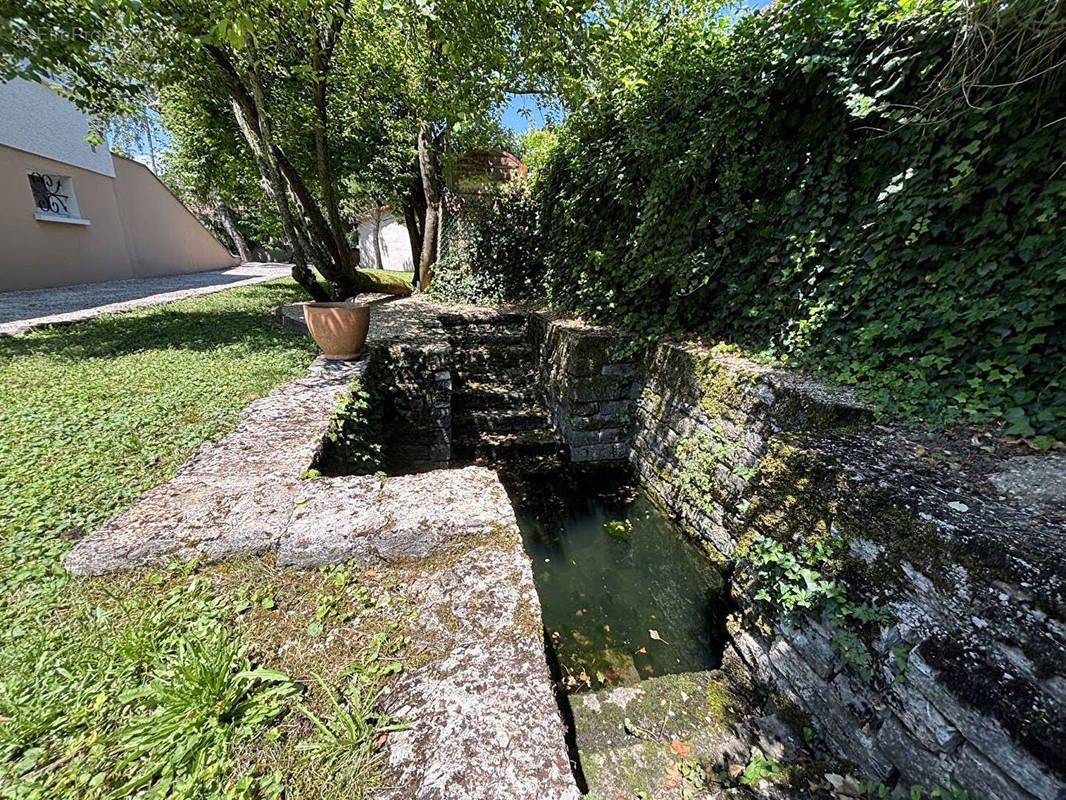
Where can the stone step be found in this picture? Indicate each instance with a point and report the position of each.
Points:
(656, 738)
(503, 420)
(492, 358)
(471, 395)
(466, 318)
(523, 466)
(675, 706)
(491, 336)
(519, 376)
(498, 446)
(526, 453)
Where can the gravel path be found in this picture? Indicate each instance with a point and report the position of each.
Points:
(38, 308)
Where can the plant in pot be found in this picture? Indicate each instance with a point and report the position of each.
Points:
(338, 328)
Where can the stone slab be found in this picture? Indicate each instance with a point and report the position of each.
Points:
(234, 496)
(405, 517)
(1037, 480)
(483, 721)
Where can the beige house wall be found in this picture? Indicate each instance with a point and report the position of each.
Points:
(35, 254)
(136, 227)
(162, 235)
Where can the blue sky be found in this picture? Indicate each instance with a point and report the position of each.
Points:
(524, 112)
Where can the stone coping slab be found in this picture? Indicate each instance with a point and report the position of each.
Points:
(483, 720)
(368, 519)
(234, 496)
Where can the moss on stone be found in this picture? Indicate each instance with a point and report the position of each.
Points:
(718, 701)
(793, 716)
(654, 403)
(724, 389)
(588, 355)
(698, 457)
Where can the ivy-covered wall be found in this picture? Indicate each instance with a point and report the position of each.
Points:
(815, 186)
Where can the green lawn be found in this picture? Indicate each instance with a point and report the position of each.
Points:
(95, 413)
(185, 682)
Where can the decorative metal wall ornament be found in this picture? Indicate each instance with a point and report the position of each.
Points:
(48, 194)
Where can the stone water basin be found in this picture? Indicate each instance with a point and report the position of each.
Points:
(626, 596)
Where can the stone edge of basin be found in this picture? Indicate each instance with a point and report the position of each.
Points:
(243, 495)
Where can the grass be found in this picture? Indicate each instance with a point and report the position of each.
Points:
(239, 680)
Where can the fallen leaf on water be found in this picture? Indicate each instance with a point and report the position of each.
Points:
(654, 634)
(681, 748)
(643, 650)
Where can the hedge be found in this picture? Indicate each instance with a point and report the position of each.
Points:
(815, 185)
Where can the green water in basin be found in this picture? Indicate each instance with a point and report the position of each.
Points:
(625, 595)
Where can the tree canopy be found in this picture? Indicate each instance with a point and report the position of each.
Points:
(334, 103)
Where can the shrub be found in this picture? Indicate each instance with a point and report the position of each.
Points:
(498, 258)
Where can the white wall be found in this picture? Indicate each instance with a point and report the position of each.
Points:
(395, 244)
(36, 119)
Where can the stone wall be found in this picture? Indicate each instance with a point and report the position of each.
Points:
(588, 380)
(965, 674)
(946, 664)
(703, 420)
(409, 377)
(414, 387)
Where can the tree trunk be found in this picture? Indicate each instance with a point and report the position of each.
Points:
(377, 238)
(308, 233)
(331, 265)
(414, 233)
(429, 167)
(320, 64)
(229, 224)
(276, 188)
(151, 144)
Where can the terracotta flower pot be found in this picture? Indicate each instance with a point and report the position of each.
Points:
(339, 328)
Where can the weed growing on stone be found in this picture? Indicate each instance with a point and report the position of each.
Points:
(876, 789)
(699, 456)
(759, 768)
(354, 436)
(794, 584)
